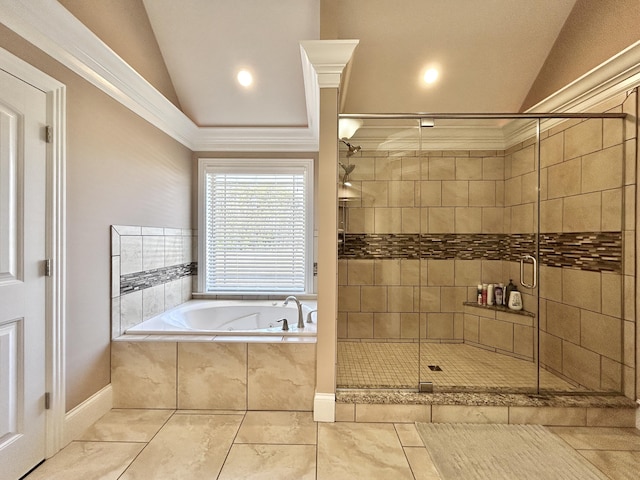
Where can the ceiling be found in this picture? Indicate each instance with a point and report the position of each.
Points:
(488, 52)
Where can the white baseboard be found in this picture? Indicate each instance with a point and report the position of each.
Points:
(84, 415)
(324, 407)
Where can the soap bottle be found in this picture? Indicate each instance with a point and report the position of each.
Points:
(515, 300)
(479, 294)
(490, 292)
(507, 291)
(498, 294)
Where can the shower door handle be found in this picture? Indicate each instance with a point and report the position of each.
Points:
(535, 270)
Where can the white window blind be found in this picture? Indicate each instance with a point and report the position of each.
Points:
(257, 229)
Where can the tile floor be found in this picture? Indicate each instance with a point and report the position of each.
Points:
(167, 444)
(463, 367)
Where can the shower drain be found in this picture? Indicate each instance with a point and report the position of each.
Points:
(435, 368)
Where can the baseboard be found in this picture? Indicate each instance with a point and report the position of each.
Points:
(77, 420)
(324, 407)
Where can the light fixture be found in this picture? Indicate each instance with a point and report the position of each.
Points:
(427, 122)
(430, 76)
(347, 127)
(245, 78)
(352, 148)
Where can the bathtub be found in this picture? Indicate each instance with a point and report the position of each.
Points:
(230, 318)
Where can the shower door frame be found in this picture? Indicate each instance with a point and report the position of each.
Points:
(427, 387)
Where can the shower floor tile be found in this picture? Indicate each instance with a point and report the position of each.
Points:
(462, 367)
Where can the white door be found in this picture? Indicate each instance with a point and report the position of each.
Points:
(22, 281)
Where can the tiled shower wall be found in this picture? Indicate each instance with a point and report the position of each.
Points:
(427, 226)
(152, 270)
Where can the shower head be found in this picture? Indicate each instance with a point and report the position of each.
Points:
(347, 170)
(352, 148)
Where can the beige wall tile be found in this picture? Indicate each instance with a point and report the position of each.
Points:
(342, 271)
(551, 283)
(468, 220)
(581, 289)
(522, 218)
(496, 334)
(551, 150)
(411, 167)
(563, 321)
(401, 193)
(471, 326)
(564, 179)
(560, 416)
(581, 365)
(409, 325)
(523, 161)
(630, 172)
(360, 325)
(581, 213)
(361, 220)
(551, 351)
(491, 271)
(364, 170)
(602, 170)
(212, 376)
(386, 325)
(583, 138)
(342, 325)
(410, 272)
(601, 334)
(500, 194)
(411, 220)
(482, 194)
(452, 299)
(430, 193)
(348, 299)
(530, 187)
(388, 168)
(492, 221)
(443, 168)
(268, 389)
(628, 346)
(467, 272)
(387, 272)
(373, 299)
(441, 220)
(551, 215)
(143, 374)
(360, 272)
(392, 413)
(440, 272)
(469, 414)
(375, 194)
(610, 375)
(493, 168)
(440, 325)
(387, 220)
(629, 304)
(455, 193)
(523, 340)
(429, 299)
(469, 168)
(513, 191)
(629, 207)
(345, 412)
(612, 210)
(400, 299)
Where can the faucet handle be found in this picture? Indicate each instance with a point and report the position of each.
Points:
(285, 324)
(309, 315)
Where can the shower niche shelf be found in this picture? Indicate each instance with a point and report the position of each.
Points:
(500, 308)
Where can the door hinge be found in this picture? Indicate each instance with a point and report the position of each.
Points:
(47, 400)
(48, 133)
(47, 267)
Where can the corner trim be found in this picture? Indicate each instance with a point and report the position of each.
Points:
(324, 407)
(84, 415)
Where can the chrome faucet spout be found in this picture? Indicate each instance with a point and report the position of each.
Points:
(299, 305)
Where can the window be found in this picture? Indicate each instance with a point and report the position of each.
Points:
(257, 226)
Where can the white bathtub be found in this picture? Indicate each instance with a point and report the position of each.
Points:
(230, 317)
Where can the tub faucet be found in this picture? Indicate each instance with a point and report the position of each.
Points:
(300, 319)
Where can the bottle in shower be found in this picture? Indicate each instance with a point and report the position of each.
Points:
(498, 294)
(508, 289)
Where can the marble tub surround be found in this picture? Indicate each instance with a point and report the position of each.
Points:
(230, 375)
(285, 445)
(152, 270)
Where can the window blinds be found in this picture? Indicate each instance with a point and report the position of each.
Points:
(256, 231)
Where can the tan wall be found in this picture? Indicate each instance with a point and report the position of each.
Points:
(595, 31)
(120, 170)
(124, 26)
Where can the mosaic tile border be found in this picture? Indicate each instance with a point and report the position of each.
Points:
(150, 278)
(593, 251)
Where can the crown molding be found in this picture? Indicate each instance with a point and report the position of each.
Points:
(329, 57)
(54, 30)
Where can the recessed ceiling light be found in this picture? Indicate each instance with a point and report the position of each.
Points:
(430, 76)
(245, 78)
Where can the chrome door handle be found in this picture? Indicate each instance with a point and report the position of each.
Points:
(535, 270)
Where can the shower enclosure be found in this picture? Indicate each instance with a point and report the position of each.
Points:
(435, 205)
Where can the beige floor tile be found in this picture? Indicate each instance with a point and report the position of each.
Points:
(88, 460)
(360, 450)
(188, 446)
(408, 435)
(599, 438)
(616, 465)
(421, 464)
(127, 425)
(293, 428)
(268, 462)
